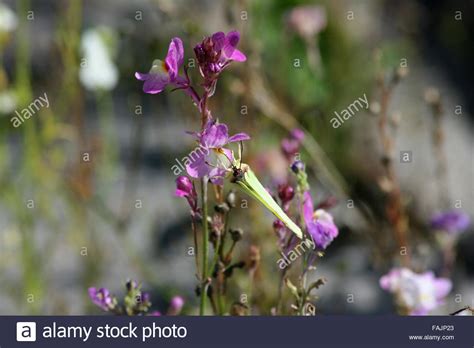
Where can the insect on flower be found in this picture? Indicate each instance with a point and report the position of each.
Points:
(248, 182)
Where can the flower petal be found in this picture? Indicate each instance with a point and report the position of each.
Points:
(216, 176)
(442, 287)
(238, 56)
(232, 39)
(198, 168)
(218, 41)
(322, 233)
(238, 137)
(155, 83)
(141, 76)
(215, 135)
(230, 51)
(228, 157)
(308, 207)
(174, 58)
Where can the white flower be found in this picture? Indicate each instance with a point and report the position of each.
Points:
(8, 20)
(98, 71)
(8, 102)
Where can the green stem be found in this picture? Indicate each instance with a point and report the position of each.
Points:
(105, 110)
(205, 246)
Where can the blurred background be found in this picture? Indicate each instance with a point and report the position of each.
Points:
(86, 185)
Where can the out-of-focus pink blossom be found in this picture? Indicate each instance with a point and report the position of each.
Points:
(417, 293)
(307, 20)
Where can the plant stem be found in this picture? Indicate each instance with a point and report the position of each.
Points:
(394, 209)
(196, 249)
(205, 246)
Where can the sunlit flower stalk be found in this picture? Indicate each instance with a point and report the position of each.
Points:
(213, 54)
(317, 224)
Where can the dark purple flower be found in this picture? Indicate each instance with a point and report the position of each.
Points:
(163, 73)
(286, 193)
(417, 293)
(102, 298)
(297, 166)
(213, 160)
(319, 224)
(176, 305)
(450, 221)
(155, 314)
(291, 146)
(216, 52)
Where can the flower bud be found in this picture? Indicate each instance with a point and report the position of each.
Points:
(184, 186)
(231, 198)
(297, 134)
(221, 208)
(176, 305)
(131, 285)
(286, 193)
(297, 167)
(278, 225)
(236, 234)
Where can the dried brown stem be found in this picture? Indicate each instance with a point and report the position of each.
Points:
(394, 208)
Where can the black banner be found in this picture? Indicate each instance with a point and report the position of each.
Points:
(310, 331)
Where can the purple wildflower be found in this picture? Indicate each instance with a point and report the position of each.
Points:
(176, 305)
(102, 298)
(320, 224)
(214, 160)
(290, 146)
(450, 221)
(216, 52)
(417, 293)
(163, 73)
